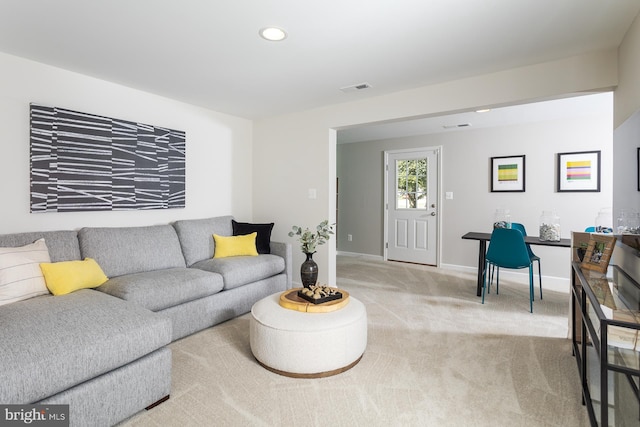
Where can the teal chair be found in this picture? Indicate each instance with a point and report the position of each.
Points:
(533, 256)
(605, 230)
(508, 250)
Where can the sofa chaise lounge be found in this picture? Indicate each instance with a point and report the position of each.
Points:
(104, 351)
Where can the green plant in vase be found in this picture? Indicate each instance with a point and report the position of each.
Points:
(309, 241)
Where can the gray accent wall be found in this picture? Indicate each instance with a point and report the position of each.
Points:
(466, 172)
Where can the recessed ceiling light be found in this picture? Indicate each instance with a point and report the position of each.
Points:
(484, 110)
(273, 34)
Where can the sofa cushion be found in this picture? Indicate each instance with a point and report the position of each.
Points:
(157, 290)
(20, 274)
(263, 241)
(226, 246)
(67, 276)
(62, 245)
(196, 236)
(127, 250)
(240, 270)
(50, 343)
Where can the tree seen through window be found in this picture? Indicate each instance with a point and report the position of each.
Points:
(411, 178)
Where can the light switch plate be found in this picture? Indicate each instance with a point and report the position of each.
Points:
(312, 193)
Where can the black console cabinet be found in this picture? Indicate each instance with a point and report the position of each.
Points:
(606, 323)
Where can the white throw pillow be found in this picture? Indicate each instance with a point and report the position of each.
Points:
(20, 274)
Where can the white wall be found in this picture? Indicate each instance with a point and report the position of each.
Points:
(626, 137)
(466, 172)
(297, 151)
(627, 122)
(625, 165)
(219, 147)
(627, 94)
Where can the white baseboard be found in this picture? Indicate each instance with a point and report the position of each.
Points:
(358, 255)
(559, 284)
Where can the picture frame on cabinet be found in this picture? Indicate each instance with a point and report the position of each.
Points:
(599, 250)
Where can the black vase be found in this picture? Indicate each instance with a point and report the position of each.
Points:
(309, 271)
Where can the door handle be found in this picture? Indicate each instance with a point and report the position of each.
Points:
(433, 214)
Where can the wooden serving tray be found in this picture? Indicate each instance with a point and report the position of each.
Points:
(290, 300)
(321, 300)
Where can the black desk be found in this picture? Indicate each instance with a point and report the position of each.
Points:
(483, 238)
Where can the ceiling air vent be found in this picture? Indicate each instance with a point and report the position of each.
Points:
(354, 88)
(460, 125)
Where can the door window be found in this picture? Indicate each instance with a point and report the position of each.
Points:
(411, 188)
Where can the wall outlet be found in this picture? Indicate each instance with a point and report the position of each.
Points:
(349, 237)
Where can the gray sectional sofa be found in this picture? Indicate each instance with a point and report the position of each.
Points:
(104, 351)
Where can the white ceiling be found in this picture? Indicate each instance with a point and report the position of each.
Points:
(208, 52)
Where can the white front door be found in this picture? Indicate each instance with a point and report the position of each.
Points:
(411, 197)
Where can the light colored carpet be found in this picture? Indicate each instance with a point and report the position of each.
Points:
(435, 357)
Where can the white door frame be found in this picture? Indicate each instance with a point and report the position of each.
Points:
(385, 205)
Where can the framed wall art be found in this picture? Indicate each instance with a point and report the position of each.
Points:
(599, 251)
(579, 171)
(508, 174)
(85, 162)
(638, 169)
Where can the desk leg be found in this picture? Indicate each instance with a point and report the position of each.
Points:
(482, 253)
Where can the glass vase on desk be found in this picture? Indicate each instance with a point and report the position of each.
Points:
(549, 227)
(604, 221)
(502, 218)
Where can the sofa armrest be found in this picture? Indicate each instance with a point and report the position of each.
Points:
(284, 250)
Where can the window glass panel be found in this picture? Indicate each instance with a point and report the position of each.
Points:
(402, 201)
(411, 184)
(422, 184)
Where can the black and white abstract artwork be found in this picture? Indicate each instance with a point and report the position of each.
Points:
(85, 162)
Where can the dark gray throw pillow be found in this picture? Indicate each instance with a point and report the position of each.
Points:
(264, 234)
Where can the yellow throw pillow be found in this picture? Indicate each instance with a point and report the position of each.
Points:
(227, 246)
(68, 276)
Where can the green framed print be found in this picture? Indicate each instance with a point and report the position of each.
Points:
(508, 174)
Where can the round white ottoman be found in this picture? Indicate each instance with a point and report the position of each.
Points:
(307, 345)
